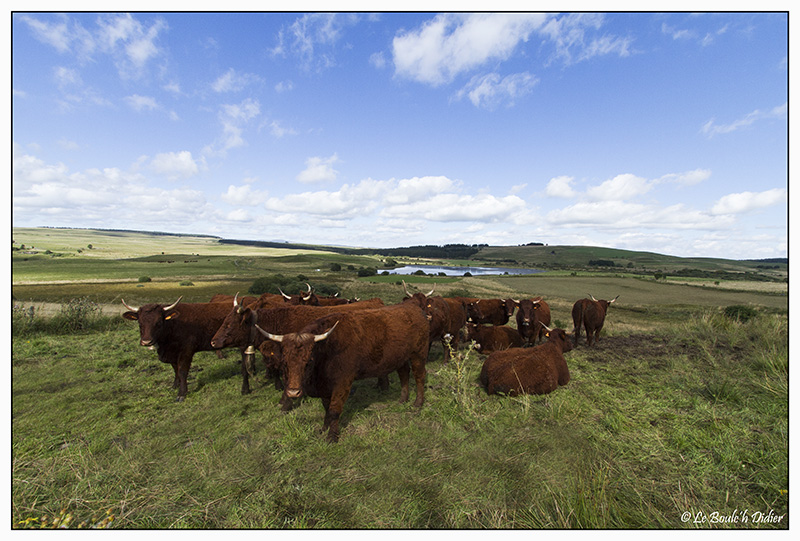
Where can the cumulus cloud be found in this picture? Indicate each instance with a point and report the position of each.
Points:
(739, 203)
(234, 117)
(175, 165)
(451, 44)
(561, 187)
(689, 178)
(619, 188)
(243, 196)
(318, 170)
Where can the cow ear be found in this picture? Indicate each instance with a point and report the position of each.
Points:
(131, 315)
(172, 315)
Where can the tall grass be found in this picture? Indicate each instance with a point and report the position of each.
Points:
(690, 419)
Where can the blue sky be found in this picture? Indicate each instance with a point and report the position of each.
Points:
(645, 131)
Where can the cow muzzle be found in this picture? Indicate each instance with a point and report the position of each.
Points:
(146, 343)
(294, 393)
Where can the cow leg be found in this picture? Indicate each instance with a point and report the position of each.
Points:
(183, 365)
(176, 380)
(334, 411)
(403, 372)
(418, 367)
(588, 335)
(245, 376)
(383, 383)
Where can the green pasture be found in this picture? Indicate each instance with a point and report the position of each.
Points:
(679, 411)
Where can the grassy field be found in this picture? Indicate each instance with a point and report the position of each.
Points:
(678, 419)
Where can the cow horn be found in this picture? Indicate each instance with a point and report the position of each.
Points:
(612, 300)
(284, 294)
(309, 288)
(320, 337)
(546, 327)
(405, 288)
(537, 301)
(275, 337)
(432, 290)
(592, 296)
(131, 308)
(239, 308)
(173, 305)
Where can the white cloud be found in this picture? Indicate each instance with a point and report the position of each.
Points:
(234, 118)
(619, 188)
(141, 103)
(570, 35)
(175, 165)
(231, 81)
(711, 129)
(243, 196)
(489, 91)
(561, 187)
(739, 203)
(450, 44)
(318, 170)
(689, 178)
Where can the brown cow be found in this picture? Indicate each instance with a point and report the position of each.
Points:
(326, 356)
(446, 317)
(489, 338)
(490, 311)
(238, 328)
(537, 370)
(307, 299)
(590, 314)
(531, 312)
(178, 332)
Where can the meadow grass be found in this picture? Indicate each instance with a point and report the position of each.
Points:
(687, 416)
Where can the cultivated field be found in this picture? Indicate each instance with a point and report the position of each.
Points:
(677, 419)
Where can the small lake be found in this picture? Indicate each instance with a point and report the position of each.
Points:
(458, 271)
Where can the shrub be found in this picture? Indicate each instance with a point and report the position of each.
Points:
(77, 315)
(186, 283)
(740, 312)
(145, 279)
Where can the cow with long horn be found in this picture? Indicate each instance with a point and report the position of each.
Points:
(178, 331)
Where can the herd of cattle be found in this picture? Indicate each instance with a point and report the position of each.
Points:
(318, 346)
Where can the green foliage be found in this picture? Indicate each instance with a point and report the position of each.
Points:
(741, 313)
(143, 279)
(186, 283)
(650, 426)
(275, 284)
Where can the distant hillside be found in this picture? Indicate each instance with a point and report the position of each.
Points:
(592, 256)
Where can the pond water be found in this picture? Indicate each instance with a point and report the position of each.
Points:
(458, 271)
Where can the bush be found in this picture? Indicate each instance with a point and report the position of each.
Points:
(145, 279)
(77, 315)
(740, 312)
(186, 283)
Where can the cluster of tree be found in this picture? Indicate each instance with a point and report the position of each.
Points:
(726, 275)
(447, 251)
(601, 263)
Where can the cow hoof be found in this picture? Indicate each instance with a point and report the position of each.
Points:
(180, 399)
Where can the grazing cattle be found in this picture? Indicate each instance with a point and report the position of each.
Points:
(532, 312)
(537, 370)
(220, 297)
(489, 338)
(490, 311)
(238, 328)
(446, 317)
(309, 299)
(589, 314)
(326, 356)
(178, 332)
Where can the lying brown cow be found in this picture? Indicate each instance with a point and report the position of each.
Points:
(326, 356)
(589, 314)
(178, 332)
(489, 338)
(537, 370)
